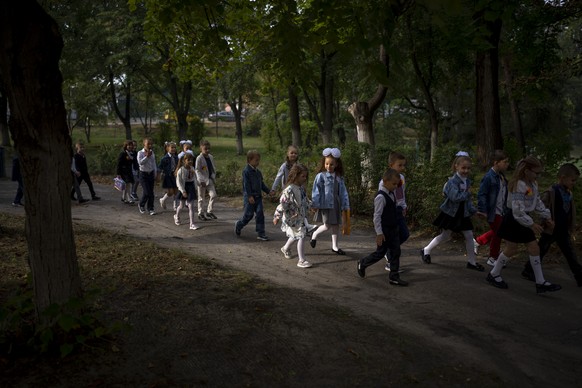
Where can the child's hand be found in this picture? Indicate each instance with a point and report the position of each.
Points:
(252, 200)
(379, 239)
(537, 228)
(202, 184)
(184, 194)
(272, 192)
(275, 221)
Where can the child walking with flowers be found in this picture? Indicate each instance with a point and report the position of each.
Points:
(330, 197)
(292, 210)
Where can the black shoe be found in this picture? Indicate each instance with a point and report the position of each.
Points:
(547, 287)
(496, 283)
(395, 280)
(83, 200)
(338, 252)
(425, 258)
(476, 267)
(202, 218)
(527, 275)
(262, 237)
(312, 242)
(361, 269)
(95, 198)
(236, 230)
(210, 215)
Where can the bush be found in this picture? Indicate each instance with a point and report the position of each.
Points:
(105, 160)
(229, 180)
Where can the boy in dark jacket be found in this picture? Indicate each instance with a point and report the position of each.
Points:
(560, 201)
(386, 225)
(253, 186)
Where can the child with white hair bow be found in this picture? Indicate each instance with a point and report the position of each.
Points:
(329, 197)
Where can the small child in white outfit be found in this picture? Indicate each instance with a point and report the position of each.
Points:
(186, 182)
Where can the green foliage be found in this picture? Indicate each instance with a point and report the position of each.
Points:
(104, 162)
(166, 132)
(69, 327)
(229, 179)
(254, 124)
(196, 130)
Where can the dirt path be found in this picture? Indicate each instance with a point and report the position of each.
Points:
(521, 337)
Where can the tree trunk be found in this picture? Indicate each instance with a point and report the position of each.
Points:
(514, 105)
(4, 120)
(487, 114)
(363, 112)
(294, 117)
(30, 49)
(327, 107)
(126, 116)
(236, 107)
(274, 103)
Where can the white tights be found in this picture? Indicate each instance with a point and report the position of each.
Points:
(446, 235)
(300, 251)
(334, 234)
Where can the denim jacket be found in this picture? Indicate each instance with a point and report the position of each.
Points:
(253, 182)
(455, 193)
(488, 193)
(322, 193)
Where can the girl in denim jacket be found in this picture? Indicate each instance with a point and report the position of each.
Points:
(330, 197)
(456, 212)
(518, 226)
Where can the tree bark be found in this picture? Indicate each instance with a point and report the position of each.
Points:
(513, 105)
(487, 110)
(294, 117)
(4, 119)
(237, 107)
(30, 49)
(363, 112)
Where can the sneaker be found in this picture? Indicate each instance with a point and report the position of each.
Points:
(527, 275)
(236, 230)
(152, 213)
(262, 237)
(286, 253)
(476, 246)
(176, 219)
(491, 261)
(476, 267)
(163, 204)
(211, 216)
(133, 196)
(312, 242)
(16, 204)
(303, 264)
(83, 200)
(194, 227)
(141, 209)
(425, 258)
(95, 198)
(395, 280)
(130, 202)
(496, 283)
(361, 269)
(547, 287)
(202, 218)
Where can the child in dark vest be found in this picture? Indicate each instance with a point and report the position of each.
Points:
(386, 226)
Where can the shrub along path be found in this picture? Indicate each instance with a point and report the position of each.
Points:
(319, 326)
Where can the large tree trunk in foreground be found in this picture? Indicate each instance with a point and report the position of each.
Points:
(30, 48)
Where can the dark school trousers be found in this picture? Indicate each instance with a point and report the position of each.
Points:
(562, 238)
(391, 243)
(250, 211)
(147, 180)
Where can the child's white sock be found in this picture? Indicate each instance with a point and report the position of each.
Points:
(300, 251)
(469, 246)
(499, 263)
(536, 264)
(288, 243)
(319, 230)
(334, 242)
(444, 236)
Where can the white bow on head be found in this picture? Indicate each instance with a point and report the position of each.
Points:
(335, 152)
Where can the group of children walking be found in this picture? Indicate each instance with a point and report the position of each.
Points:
(507, 206)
